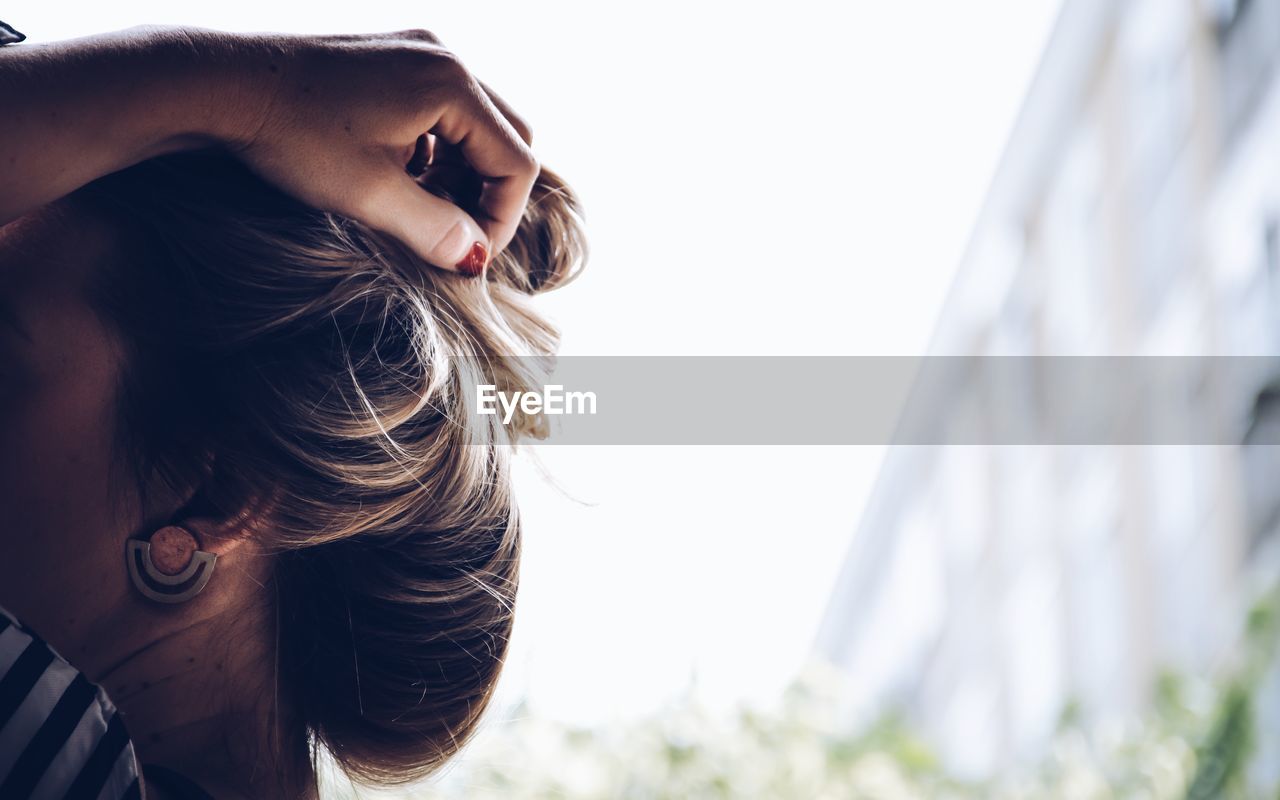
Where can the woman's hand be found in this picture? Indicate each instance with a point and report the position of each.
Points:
(352, 122)
(363, 125)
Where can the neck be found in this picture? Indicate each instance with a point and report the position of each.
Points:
(195, 686)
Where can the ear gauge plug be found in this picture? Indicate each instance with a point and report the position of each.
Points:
(170, 568)
(473, 263)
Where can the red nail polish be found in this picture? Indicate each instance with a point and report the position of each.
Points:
(475, 260)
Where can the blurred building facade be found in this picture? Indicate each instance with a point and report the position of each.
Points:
(1136, 211)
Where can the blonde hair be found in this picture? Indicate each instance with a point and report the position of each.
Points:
(277, 349)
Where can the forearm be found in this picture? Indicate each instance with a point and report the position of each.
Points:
(334, 121)
(80, 109)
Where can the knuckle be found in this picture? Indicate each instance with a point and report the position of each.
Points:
(529, 162)
(449, 63)
(522, 127)
(439, 75)
(419, 35)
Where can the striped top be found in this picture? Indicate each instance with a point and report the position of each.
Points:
(60, 737)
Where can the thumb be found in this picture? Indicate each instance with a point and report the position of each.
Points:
(441, 233)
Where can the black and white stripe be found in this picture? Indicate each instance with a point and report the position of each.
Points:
(60, 737)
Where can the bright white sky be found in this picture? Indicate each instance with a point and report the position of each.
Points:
(760, 178)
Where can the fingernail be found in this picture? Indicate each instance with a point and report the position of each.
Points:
(474, 262)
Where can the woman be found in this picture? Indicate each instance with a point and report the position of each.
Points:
(246, 285)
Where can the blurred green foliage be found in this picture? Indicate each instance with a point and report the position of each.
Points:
(1197, 743)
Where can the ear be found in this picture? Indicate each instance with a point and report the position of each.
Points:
(214, 536)
(220, 503)
(224, 532)
(177, 562)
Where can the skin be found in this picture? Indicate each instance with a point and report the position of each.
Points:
(195, 682)
(333, 120)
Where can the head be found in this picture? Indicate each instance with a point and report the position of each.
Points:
(201, 350)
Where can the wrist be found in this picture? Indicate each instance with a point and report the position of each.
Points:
(212, 87)
(243, 74)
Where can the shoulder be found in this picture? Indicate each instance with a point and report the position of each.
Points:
(59, 733)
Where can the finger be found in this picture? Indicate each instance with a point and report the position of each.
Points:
(441, 233)
(495, 150)
(517, 122)
(417, 35)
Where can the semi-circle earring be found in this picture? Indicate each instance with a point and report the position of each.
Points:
(176, 572)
